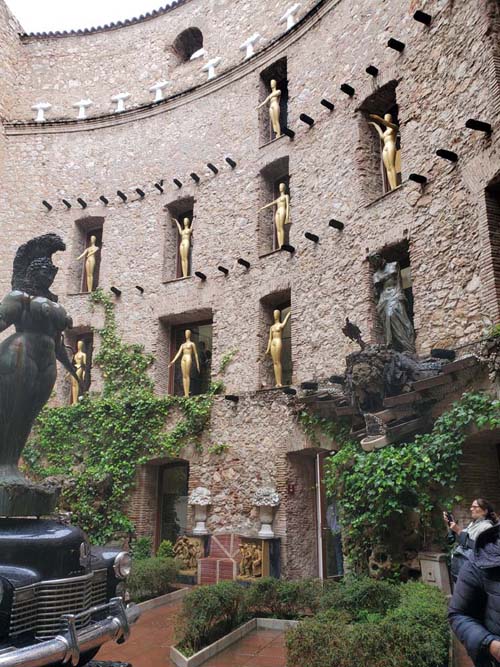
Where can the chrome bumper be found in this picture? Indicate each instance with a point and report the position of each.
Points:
(67, 647)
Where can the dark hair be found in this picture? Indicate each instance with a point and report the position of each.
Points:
(488, 507)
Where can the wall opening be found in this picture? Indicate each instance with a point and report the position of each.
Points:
(278, 301)
(187, 43)
(177, 211)
(86, 337)
(373, 173)
(492, 195)
(84, 230)
(271, 176)
(277, 72)
(173, 482)
(201, 336)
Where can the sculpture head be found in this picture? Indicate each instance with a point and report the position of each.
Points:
(79, 346)
(93, 239)
(376, 260)
(40, 274)
(187, 333)
(282, 188)
(276, 315)
(273, 84)
(186, 223)
(388, 117)
(33, 271)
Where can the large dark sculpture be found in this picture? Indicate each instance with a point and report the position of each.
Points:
(392, 306)
(28, 368)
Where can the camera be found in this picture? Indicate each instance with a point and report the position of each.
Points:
(450, 518)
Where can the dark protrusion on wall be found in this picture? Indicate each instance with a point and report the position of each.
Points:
(223, 270)
(289, 133)
(159, 188)
(115, 290)
(422, 17)
(479, 125)
(326, 103)
(66, 203)
(200, 275)
(418, 178)
(140, 192)
(347, 89)
(212, 167)
(336, 224)
(311, 237)
(396, 45)
(82, 202)
(243, 262)
(336, 379)
(306, 119)
(104, 200)
(195, 177)
(290, 391)
(178, 183)
(122, 195)
(441, 353)
(288, 248)
(47, 205)
(447, 155)
(372, 70)
(230, 162)
(232, 397)
(312, 386)
(139, 289)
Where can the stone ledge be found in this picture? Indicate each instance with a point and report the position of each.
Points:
(163, 600)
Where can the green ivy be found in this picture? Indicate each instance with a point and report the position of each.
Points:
(226, 360)
(374, 488)
(97, 444)
(313, 425)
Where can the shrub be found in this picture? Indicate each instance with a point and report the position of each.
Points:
(414, 633)
(165, 550)
(208, 613)
(361, 596)
(142, 548)
(151, 577)
(284, 599)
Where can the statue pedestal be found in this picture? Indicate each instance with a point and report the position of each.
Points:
(24, 498)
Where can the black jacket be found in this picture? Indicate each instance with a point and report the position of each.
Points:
(474, 611)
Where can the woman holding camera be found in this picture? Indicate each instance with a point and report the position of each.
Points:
(483, 517)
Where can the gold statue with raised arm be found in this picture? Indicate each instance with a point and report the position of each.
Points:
(274, 99)
(80, 365)
(187, 350)
(282, 214)
(389, 151)
(90, 261)
(185, 244)
(275, 345)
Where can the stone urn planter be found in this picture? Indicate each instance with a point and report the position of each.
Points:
(266, 499)
(200, 499)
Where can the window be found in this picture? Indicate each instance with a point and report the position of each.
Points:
(272, 176)
(178, 211)
(201, 336)
(88, 232)
(84, 336)
(173, 500)
(187, 43)
(275, 72)
(370, 154)
(492, 260)
(279, 301)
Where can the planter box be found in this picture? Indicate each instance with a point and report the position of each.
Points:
(168, 598)
(220, 645)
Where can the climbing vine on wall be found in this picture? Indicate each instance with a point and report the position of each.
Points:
(374, 488)
(96, 445)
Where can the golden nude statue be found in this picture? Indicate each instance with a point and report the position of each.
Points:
(187, 350)
(90, 262)
(275, 345)
(389, 151)
(274, 98)
(185, 244)
(80, 365)
(282, 215)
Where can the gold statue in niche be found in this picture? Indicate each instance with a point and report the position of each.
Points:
(187, 350)
(251, 560)
(389, 151)
(282, 215)
(90, 262)
(80, 365)
(274, 99)
(275, 345)
(185, 244)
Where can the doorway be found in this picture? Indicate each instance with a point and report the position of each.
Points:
(173, 481)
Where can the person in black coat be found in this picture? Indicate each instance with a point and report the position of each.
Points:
(474, 611)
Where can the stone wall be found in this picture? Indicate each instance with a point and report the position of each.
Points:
(445, 75)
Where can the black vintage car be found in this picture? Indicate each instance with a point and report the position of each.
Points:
(60, 599)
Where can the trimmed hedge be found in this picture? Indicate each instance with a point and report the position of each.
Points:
(151, 577)
(278, 598)
(412, 633)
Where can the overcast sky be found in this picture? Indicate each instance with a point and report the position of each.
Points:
(46, 15)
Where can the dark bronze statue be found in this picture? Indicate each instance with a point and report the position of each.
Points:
(28, 367)
(392, 306)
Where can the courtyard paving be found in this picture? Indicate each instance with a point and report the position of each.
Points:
(153, 634)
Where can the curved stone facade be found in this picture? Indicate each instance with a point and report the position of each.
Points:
(447, 73)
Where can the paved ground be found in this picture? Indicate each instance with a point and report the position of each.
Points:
(153, 634)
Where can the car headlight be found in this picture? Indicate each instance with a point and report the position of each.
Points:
(122, 563)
